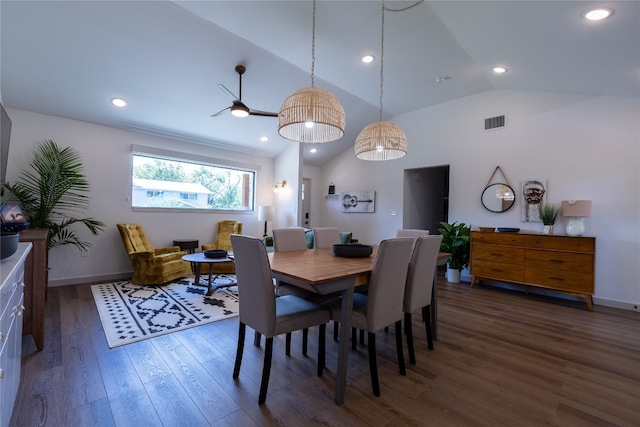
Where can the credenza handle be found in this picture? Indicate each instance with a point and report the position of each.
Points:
(557, 278)
(496, 270)
(556, 260)
(495, 254)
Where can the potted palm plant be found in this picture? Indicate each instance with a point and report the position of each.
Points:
(456, 241)
(53, 192)
(548, 215)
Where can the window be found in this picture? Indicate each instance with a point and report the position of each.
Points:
(166, 181)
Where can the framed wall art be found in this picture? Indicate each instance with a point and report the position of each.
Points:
(358, 201)
(534, 195)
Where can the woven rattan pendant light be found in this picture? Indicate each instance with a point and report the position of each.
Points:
(381, 140)
(311, 115)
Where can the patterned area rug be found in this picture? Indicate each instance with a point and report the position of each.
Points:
(131, 313)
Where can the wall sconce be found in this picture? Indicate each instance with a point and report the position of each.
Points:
(280, 186)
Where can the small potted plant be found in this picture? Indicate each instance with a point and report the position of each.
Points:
(548, 215)
(456, 241)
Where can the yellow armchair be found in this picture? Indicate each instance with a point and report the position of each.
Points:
(223, 241)
(151, 266)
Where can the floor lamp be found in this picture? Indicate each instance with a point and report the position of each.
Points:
(265, 213)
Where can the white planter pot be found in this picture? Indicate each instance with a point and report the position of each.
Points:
(453, 276)
(547, 229)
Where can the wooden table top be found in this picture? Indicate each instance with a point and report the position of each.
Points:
(317, 266)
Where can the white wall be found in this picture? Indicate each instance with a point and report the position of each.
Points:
(287, 200)
(106, 156)
(584, 147)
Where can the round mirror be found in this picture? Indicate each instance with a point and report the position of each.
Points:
(498, 197)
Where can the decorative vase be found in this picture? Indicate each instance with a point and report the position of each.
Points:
(547, 229)
(453, 276)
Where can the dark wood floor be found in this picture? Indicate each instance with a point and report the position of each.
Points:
(501, 358)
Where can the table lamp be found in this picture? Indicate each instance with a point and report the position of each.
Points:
(576, 210)
(265, 213)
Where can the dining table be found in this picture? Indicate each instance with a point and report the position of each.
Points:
(322, 272)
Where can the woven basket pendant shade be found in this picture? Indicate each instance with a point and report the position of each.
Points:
(311, 105)
(381, 141)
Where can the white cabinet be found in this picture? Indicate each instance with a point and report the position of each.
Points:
(11, 309)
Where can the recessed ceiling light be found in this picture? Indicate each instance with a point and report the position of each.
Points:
(313, 150)
(442, 79)
(264, 138)
(368, 59)
(499, 70)
(118, 102)
(597, 14)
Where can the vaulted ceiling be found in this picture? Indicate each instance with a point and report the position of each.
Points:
(166, 59)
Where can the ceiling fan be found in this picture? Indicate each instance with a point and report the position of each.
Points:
(238, 108)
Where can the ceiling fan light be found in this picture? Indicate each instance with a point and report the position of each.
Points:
(381, 141)
(239, 111)
(314, 105)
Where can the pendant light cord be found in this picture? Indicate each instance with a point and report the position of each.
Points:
(381, 45)
(313, 44)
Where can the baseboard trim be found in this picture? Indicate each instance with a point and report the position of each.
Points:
(91, 279)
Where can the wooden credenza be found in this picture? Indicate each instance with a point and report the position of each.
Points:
(36, 278)
(560, 263)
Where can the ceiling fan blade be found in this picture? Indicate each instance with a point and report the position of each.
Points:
(227, 91)
(221, 112)
(262, 113)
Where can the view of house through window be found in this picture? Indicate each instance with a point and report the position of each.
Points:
(172, 183)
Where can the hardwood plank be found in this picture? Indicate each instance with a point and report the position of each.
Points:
(502, 358)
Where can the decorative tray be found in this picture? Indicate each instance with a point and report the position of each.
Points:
(508, 229)
(13, 227)
(215, 253)
(352, 250)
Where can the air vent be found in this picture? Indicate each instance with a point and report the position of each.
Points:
(494, 122)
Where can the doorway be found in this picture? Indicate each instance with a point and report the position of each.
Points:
(426, 198)
(306, 202)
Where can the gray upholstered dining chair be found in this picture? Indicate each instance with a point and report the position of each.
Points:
(266, 314)
(414, 233)
(383, 304)
(325, 237)
(417, 292)
(284, 240)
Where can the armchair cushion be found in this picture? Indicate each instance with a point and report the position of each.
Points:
(223, 241)
(151, 266)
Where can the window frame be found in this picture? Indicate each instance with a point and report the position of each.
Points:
(170, 155)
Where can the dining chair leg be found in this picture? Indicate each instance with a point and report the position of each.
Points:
(408, 331)
(236, 368)
(322, 332)
(354, 339)
(362, 336)
(424, 313)
(305, 338)
(336, 329)
(373, 364)
(399, 348)
(266, 370)
(288, 344)
(256, 339)
(427, 324)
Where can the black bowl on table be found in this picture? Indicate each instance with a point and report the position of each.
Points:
(352, 250)
(215, 253)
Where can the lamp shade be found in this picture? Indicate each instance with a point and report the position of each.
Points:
(576, 208)
(311, 115)
(265, 213)
(381, 141)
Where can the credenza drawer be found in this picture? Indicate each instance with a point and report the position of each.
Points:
(507, 239)
(561, 280)
(578, 263)
(499, 254)
(562, 243)
(497, 271)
